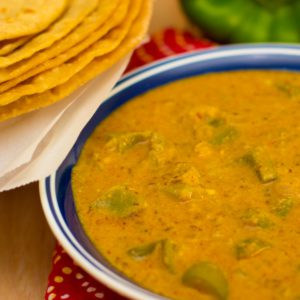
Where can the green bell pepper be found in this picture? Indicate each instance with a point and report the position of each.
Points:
(246, 21)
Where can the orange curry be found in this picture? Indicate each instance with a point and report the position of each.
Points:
(192, 189)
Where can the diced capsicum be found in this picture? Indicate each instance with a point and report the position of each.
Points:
(142, 251)
(168, 249)
(250, 247)
(181, 192)
(119, 201)
(121, 142)
(256, 218)
(260, 161)
(282, 206)
(224, 135)
(208, 278)
(281, 200)
(243, 21)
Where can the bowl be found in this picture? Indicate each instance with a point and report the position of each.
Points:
(56, 191)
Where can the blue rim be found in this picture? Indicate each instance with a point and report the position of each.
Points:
(56, 192)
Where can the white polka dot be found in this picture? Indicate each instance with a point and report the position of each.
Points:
(51, 296)
(67, 270)
(58, 279)
(65, 296)
(85, 283)
(50, 289)
(99, 295)
(79, 276)
(90, 289)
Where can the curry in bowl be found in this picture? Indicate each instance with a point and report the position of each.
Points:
(192, 189)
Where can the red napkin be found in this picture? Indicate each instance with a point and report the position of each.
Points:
(67, 280)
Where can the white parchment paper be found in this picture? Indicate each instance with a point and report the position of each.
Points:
(34, 145)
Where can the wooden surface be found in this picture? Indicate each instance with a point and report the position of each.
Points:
(26, 245)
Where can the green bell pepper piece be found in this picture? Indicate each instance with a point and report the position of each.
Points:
(181, 192)
(207, 278)
(168, 251)
(282, 206)
(281, 200)
(241, 21)
(250, 247)
(119, 201)
(122, 142)
(142, 251)
(256, 218)
(258, 159)
(226, 134)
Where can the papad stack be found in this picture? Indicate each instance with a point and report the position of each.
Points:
(47, 51)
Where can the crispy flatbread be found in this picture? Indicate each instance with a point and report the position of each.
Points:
(96, 67)
(62, 73)
(114, 20)
(9, 46)
(74, 15)
(93, 21)
(19, 18)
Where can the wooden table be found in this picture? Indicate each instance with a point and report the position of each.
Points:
(26, 245)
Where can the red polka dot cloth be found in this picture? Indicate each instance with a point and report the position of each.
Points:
(67, 280)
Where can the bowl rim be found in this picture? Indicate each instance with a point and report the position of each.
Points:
(47, 185)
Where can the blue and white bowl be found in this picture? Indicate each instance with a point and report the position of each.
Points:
(56, 190)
